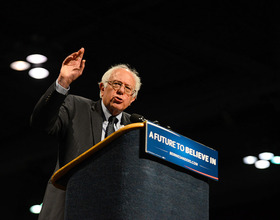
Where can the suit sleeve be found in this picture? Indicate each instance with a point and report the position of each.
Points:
(50, 113)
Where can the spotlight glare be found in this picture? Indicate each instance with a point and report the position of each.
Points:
(35, 209)
(262, 164)
(38, 73)
(266, 156)
(275, 160)
(20, 65)
(36, 58)
(249, 160)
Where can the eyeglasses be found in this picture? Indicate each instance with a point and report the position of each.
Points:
(116, 85)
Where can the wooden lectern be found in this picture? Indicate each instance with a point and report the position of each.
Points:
(116, 179)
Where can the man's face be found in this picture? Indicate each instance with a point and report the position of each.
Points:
(117, 100)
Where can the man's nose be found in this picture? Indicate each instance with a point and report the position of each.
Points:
(121, 90)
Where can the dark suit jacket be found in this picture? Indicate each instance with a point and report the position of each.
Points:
(77, 122)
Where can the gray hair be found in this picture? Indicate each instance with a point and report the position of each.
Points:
(106, 76)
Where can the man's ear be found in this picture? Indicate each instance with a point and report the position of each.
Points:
(102, 88)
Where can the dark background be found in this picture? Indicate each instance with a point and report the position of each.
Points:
(210, 71)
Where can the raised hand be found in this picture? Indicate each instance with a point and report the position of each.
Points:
(72, 67)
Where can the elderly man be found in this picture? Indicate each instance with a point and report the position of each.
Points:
(80, 123)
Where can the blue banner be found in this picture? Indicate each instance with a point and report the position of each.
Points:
(182, 151)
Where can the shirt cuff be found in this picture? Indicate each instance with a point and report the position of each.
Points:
(61, 89)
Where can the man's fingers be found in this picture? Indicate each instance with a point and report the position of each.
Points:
(80, 53)
(82, 66)
(75, 56)
(82, 50)
(68, 59)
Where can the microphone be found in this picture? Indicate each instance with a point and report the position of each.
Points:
(140, 118)
(137, 118)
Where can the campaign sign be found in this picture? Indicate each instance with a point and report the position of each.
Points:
(180, 150)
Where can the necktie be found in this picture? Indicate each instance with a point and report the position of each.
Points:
(110, 127)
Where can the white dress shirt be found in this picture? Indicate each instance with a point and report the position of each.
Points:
(107, 114)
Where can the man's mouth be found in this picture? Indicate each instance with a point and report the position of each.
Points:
(117, 100)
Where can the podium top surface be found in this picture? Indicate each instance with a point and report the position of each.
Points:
(69, 166)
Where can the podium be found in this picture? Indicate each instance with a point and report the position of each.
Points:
(116, 179)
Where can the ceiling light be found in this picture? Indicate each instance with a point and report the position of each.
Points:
(35, 209)
(275, 160)
(249, 160)
(36, 58)
(20, 65)
(262, 164)
(266, 156)
(38, 73)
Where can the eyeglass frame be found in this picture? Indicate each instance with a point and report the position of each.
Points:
(126, 86)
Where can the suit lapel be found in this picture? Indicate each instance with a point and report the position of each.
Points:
(96, 121)
(125, 119)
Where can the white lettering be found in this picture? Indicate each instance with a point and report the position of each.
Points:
(181, 147)
(212, 160)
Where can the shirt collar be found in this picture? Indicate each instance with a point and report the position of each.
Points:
(107, 114)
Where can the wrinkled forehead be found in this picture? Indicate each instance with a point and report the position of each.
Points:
(124, 76)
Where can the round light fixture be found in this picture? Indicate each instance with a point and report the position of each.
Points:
(20, 65)
(38, 73)
(275, 160)
(262, 164)
(266, 156)
(35, 209)
(249, 160)
(36, 58)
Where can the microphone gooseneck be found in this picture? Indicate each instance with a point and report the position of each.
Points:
(137, 118)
